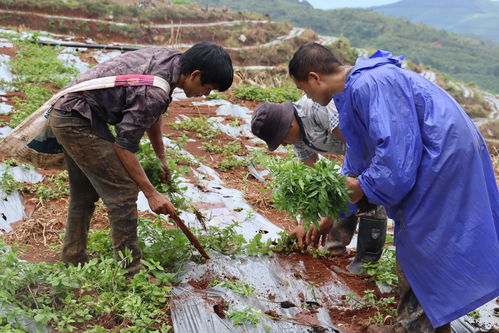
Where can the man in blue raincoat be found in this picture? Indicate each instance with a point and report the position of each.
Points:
(415, 151)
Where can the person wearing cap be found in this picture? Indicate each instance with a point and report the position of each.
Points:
(313, 129)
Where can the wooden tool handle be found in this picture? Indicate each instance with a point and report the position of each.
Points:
(194, 241)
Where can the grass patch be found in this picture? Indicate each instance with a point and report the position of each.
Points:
(203, 128)
(272, 94)
(97, 297)
(38, 74)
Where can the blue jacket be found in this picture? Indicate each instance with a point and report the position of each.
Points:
(419, 155)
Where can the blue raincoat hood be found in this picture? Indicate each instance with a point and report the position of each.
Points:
(417, 153)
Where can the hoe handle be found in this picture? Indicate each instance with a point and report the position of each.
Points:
(194, 241)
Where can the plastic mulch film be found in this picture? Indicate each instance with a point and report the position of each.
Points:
(11, 205)
(11, 210)
(485, 320)
(278, 293)
(221, 205)
(30, 324)
(4, 131)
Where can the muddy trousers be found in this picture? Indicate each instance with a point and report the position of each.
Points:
(410, 315)
(95, 171)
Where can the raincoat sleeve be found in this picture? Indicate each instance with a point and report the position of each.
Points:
(384, 104)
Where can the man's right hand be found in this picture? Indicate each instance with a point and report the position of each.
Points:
(313, 238)
(161, 205)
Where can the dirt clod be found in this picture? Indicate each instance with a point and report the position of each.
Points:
(273, 314)
(287, 305)
(220, 308)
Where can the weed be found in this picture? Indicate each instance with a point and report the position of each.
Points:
(54, 187)
(278, 95)
(384, 306)
(67, 298)
(200, 125)
(230, 163)
(237, 286)
(154, 170)
(249, 315)
(319, 253)
(285, 243)
(256, 246)
(475, 314)
(215, 95)
(224, 240)
(228, 149)
(250, 214)
(170, 248)
(385, 270)
(211, 148)
(7, 183)
(235, 123)
(99, 243)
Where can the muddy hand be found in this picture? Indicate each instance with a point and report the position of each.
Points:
(317, 237)
(299, 233)
(161, 205)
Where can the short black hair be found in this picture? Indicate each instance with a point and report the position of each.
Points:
(312, 57)
(213, 62)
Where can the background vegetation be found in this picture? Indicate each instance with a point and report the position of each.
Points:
(465, 58)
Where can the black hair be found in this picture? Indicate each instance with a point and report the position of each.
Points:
(213, 62)
(312, 57)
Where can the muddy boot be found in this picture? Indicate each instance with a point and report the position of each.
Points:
(371, 238)
(341, 235)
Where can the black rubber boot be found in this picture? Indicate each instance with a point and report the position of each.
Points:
(370, 241)
(341, 235)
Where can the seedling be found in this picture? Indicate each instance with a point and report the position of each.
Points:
(237, 286)
(256, 246)
(235, 123)
(200, 125)
(7, 183)
(385, 270)
(475, 314)
(249, 315)
(278, 95)
(384, 306)
(211, 148)
(54, 187)
(230, 163)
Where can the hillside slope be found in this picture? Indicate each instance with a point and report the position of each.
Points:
(467, 59)
(480, 17)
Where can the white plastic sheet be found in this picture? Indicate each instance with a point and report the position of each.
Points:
(274, 281)
(4, 131)
(11, 210)
(103, 55)
(68, 56)
(11, 205)
(5, 72)
(212, 102)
